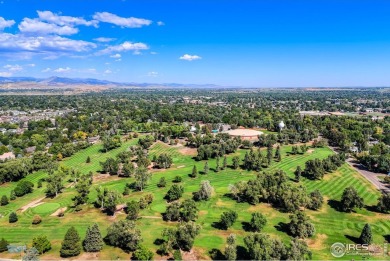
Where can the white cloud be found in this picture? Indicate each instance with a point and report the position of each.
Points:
(118, 60)
(153, 53)
(5, 23)
(31, 65)
(104, 39)
(48, 45)
(126, 46)
(36, 27)
(116, 56)
(5, 74)
(13, 68)
(130, 22)
(107, 71)
(46, 70)
(61, 20)
(152, 74)
(62, 70)
(189, 57)
(160, 23)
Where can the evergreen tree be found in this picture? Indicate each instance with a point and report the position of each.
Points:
(206, 168)
(71, 244)
(231, 248)
(194, 172)
(236, 162)
(93, 241)
(31, 254)
(217, 167)
(278, 155)
(88, 160)
(3, 245)
(12, 195)
(4, 200)
(366, 235)
(298, 173)
(162, 183)
(13, 217)
(224, 164)
(41, 243)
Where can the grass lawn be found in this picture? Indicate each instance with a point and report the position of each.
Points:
(331, 226)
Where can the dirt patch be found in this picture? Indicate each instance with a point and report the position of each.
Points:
(189, 256)
(317, 242)
(221, 203)
(151, 217)
(32, 204)
(58, 211)
(88, 256)
(203, 212)
(181, 166)
(310, 151)
(188, 151)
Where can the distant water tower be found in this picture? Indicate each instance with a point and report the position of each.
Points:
(281, 125)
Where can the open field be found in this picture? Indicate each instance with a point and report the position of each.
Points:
(331, 225)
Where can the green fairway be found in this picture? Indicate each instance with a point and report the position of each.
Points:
(331, 225)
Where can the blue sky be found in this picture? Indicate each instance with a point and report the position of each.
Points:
(263, 43)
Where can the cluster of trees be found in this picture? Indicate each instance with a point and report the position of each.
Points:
(217, 149)
(316, 168)
(274, 188)
(182, 211)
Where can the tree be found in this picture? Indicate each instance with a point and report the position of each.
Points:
(13, 217)
(236, 162)
(133, 209)
(224, 164)
(185, 235)
(258, 222)
(384, 203)
(194, 172)
(82, 187)
(31, 254)
(128, 169)
(88, 160)
(217, 167)
(23, 187)
(231, 248)
(164, 161)
(315, 200)
(110, 166)
(300, 225)
(206, 168)
(261, 247)
(3, 245)
(177, 179)
(278, 155)
(228, 218)
(111, 142)
(188, 210)
(41, 243)
(174, 193)
(204, 192)
(4, 200)
(366, 235)
(350, 200)
(299, 250)
(93, 241)
(37, 220)
(123, 234)
(298, 173)
(142, 253)
(142, 176)
(71, 244)
(162, 183)
(173, 212)
(54, 183)
(12, 195)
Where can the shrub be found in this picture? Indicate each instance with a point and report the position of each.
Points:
(177, 179)
(13, 217)
(36, 220)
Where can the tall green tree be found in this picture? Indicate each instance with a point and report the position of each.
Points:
(93, 241)
(41, 243)
(366, 235)
(231, 248)
(71, 245)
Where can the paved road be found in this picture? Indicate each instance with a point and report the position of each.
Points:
(369, 175)
(372, 177)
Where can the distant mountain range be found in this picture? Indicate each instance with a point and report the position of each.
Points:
(56, 81)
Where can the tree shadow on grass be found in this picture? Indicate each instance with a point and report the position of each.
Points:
(372, 208)
(282, 227)
(158, 241)
(218, 225)
(246, 226)
(216, 254)
(387, 238)
(242, 253)
(335, 204)
(356, 240)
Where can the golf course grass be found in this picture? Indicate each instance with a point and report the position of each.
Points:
(331, 225)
